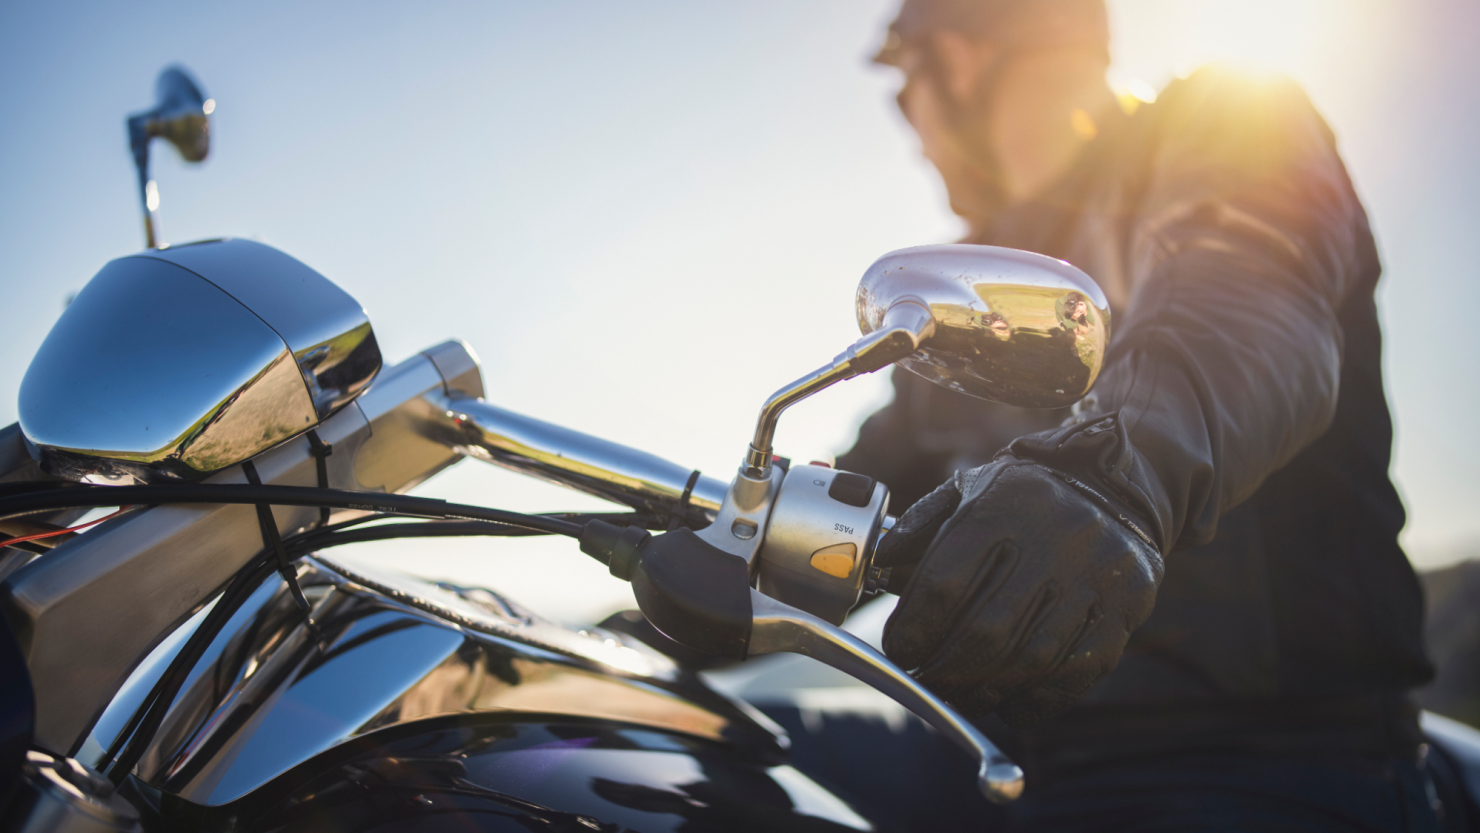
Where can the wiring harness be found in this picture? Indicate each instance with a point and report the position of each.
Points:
(439, 519)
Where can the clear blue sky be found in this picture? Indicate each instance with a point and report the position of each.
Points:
(648, 215)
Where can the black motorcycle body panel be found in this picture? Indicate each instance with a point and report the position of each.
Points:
(522, 776)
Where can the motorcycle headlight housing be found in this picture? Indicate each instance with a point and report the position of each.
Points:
(173, 364)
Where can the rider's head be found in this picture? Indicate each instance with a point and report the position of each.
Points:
(975, 67)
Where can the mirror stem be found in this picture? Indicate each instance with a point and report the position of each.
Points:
(150, 241)
(138, 140)
(758, 456)
(905, 326)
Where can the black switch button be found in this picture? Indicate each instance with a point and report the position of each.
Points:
(852, 489)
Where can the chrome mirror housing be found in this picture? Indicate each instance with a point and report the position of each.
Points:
(999, 324)
(176, 363)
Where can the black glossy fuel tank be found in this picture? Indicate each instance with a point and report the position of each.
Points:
(564, 776)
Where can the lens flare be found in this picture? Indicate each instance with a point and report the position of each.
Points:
(1159, 39)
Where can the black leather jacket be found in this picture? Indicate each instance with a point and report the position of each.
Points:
(1252, 430)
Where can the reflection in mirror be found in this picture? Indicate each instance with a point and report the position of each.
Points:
(1005, 325)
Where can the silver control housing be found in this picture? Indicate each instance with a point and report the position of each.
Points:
(809, 539)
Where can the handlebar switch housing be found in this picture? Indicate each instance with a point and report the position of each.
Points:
(820, 541)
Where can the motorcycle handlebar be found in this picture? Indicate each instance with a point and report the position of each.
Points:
(579, 461)
(608, 470)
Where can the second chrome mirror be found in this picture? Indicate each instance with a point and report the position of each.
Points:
(1000, 324)
(180, 116)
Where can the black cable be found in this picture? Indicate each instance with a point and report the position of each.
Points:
(155, 706)
(337, 536)
(646, 520)
(50, 500)
(321, 451)
(364, 519)
(32, 486)
(424, 529)
(643, 519)
(680, 513)
(272, 541)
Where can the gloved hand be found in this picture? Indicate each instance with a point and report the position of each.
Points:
(1019, 590)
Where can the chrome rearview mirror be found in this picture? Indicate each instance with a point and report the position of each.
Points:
(176, 363)
(180, 116)
(1000, 324)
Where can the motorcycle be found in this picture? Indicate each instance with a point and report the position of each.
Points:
(201, 659)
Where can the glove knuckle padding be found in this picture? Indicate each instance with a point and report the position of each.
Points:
(1046, 640)
(989, 643)
(917, 527)
(964, 577)
(1024, 598)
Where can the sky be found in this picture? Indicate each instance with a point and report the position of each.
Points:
(646, 216)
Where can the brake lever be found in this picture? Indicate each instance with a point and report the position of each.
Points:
(700, 596)
(777, 627)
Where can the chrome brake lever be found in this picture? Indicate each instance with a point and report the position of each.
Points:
(777, 627)
(696, 589)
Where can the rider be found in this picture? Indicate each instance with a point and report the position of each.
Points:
(1187, 597)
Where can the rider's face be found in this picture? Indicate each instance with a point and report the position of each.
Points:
(921, 102)
(943, 101)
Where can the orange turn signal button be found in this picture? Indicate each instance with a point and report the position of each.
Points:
(836, 560)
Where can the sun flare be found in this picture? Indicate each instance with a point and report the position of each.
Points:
(1158, 39)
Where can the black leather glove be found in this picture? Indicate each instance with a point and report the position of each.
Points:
(1020, 585)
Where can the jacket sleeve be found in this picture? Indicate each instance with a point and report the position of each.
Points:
(1246, 238)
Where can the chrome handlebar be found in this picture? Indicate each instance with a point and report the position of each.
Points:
(578, 461)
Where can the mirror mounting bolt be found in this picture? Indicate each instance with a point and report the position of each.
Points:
(752, 484)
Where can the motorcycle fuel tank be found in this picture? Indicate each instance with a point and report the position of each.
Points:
(520, 776)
